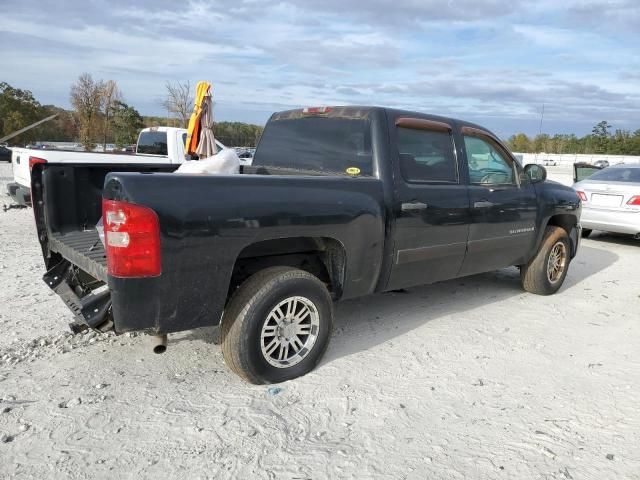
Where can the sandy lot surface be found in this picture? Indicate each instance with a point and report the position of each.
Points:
(471, 378)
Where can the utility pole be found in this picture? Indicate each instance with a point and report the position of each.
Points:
(540, 129)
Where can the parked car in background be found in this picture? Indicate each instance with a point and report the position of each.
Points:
(340, 202)
(582, 170)
(246, 156)
(156, 146)
(610, 198)
(601, 163)
(5, 154)
(547, 162)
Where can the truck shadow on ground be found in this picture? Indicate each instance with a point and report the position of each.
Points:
(614, 238)
(364, 323)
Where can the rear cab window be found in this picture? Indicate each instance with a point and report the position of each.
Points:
(152, 143)
(335, 142)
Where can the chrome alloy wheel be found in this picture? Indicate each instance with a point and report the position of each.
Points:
(557, 262)
(289, 332)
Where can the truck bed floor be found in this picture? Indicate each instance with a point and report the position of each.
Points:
(83, 249)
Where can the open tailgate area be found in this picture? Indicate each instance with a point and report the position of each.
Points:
(67, 207)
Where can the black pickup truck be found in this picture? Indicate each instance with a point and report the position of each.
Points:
(340, 202)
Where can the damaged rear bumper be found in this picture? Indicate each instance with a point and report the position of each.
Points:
(92, 309)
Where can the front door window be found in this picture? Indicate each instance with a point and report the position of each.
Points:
(487, 165)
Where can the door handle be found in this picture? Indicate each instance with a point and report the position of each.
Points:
(482, 204)
(413, 206)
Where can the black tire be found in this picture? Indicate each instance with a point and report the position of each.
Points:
(247, 313)
(586, 232)
(535, 276)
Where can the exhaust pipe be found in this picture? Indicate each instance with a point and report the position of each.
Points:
(159, 343)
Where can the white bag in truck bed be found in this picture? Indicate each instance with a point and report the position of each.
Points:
(225, 162)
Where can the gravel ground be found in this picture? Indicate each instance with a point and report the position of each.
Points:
(471, 378)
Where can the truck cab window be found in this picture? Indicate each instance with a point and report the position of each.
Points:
(488, 166)
(426, 156)
(331, 145)
(152, 143)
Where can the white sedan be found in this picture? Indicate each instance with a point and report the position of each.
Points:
(611, 200)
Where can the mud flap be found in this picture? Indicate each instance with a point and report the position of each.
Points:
(575, 236)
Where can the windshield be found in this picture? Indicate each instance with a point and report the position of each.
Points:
(152, 143)
(617, 174)
(323, 144)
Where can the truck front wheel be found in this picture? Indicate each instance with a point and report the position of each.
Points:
(276, 326)
(546, 272)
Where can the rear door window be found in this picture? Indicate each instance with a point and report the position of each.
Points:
(153, 143)
(332, 145)
(426, 156)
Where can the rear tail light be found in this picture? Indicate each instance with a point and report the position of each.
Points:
(582, 195)
(132, 240)
(635, 201)
(35, 161)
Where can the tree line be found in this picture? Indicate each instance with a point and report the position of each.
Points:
(232, 134)
(19, 108)
(599, 141)
(100, 116)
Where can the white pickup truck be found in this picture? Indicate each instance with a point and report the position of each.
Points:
(156, 145)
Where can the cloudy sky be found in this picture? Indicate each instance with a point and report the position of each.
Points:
(495, 62)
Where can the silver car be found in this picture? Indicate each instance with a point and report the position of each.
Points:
(610, 199)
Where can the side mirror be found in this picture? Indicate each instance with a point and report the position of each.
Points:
(535, 173)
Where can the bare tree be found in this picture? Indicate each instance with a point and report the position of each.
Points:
(110, 94)
(179, 101)
(86, 98)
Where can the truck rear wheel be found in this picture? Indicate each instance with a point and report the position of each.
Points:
(546, 272)
(276, 326)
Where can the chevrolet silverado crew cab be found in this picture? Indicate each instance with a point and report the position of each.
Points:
(340, 202)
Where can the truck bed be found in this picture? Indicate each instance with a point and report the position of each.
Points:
(84, 249)
(72, 205)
